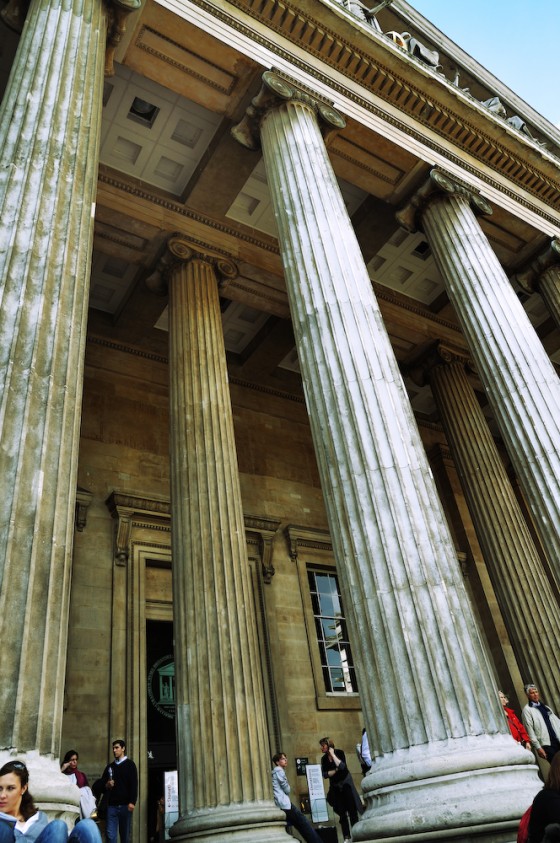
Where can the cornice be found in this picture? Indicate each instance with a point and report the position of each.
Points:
(385, 294)
(158, 358)
(331, 48)
(177, 207)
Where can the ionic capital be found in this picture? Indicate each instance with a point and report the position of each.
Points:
(528, 277)
(117, 13)
(274, 92)
(180, 250)
(439, 183)
(438, 354)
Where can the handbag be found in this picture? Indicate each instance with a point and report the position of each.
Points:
(523, 830)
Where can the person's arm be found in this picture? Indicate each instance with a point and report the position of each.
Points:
(133, 786)
(283, 781)
(339, 762)
(528, 721)
(522, 731)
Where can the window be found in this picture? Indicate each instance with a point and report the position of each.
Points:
(332, 636)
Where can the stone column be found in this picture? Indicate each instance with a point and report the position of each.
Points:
(224, 770)
(520, 381)
(542, 276)
(49, 137)
(427, 691)
(523, 591)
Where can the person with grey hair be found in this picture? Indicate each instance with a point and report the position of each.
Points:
(542, 724)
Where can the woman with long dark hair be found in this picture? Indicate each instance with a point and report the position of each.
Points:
(546, 804)
(20, 821)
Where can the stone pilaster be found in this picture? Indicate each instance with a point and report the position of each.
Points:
(521, 586)
(224, 777)
(49, 136)
(543, 276)
(520, 381)
(426, 687)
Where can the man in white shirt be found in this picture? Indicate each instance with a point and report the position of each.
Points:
(281, 790)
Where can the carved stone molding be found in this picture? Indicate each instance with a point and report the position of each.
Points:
(264, 530)
(14, 13)
(180, 249)
(438, 183)
(528, 277)
(131, 510)
(438, 354)
(117, 13)
(125, 508)
(297, 537)
(468, 123)
(275, 90)
(83, 500)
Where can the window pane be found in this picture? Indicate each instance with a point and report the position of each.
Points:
(332, 634)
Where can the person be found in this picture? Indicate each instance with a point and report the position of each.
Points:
(516, 727)
(281, 791)
(552, 833)
(342, 794)
(546, 804)
(30, 825)
(542, 725)
(120, 780)
(69, 767)
(363, 753)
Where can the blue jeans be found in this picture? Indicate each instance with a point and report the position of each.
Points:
(118, 817)
(56, 831)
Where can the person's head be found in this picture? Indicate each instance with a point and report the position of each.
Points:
(279, 760)
(71, 758)
(15, 798)
(553, 779)
(326, 744)
(552, 833)
(532, 693)
(118, 749)
(503, 699)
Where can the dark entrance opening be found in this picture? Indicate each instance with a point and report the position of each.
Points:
(160, 725)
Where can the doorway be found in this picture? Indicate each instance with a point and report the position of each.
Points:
(160, 717)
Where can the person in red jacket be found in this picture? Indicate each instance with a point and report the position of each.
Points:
(516, 727)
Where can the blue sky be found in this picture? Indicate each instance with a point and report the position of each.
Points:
(516, 40)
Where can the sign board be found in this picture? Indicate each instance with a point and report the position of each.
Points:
(171, 796)
(317, 801)
(301, 764)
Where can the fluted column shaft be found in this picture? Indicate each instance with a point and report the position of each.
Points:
(224, 778)
(542, 275)
(549, 288)
(522, 589)
(426, 688)
(521, 383)
(49, 136)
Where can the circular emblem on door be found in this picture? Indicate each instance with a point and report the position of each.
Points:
(161, 686)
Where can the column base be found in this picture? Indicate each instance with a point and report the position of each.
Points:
(470, 789)
(52, 791)
(259, 822)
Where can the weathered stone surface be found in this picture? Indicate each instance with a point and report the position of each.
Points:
(49, 129)
(427, 691)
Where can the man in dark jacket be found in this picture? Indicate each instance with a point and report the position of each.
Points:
(120, 780)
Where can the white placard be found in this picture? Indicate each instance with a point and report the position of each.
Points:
(317, 801)
(171, 795)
